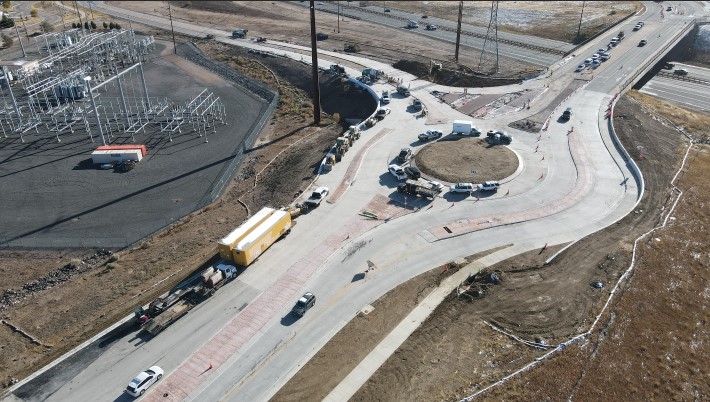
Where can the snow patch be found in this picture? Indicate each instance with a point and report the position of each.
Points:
(702, 40)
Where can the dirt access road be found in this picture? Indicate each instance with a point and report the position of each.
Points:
(456, 352)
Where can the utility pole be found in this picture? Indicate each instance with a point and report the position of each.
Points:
(458, 31)
(314, 66)
(579, 28)
(20, 40)
(170, 13)
(338, 16)
(22, 18)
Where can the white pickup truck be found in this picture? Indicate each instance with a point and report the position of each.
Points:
(318, 195)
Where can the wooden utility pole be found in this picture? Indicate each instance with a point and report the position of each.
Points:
(314, 65)
(579, 28)
(170, 14)
(458, 31)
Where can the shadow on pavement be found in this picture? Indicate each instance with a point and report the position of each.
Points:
(289, 319)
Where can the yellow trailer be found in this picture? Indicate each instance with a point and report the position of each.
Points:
(262, 237)
(226, 245)
(255, 235)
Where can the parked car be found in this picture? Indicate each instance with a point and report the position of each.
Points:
(304, 304)
(566, 114)
(397, 172)
(317, 196)
(669, 8)
(438, 186)
(412, 172)
(462, 188)
(144, 380)
(385, 98)
(404, 155)
(680, 71)
(382, 112)
(488, 186)
(605, 56)
(418, 105)
(430, 135)
(596, 63)
(321, 36)
(580, 67)
(643, 42)
(402, 90)
(587, 62)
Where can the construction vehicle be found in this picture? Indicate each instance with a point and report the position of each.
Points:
(337, 69)
(351, 48)
(354, 132)
(239, 33)
(342, 144)
(247, 242)
(328, 162)
(419, 188)
(164, 311)
(261, 39)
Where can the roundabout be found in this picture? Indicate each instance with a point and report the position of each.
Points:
(453, 160)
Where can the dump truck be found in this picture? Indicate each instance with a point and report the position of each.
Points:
(420, 188)
(247, 242)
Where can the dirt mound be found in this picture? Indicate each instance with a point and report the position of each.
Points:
(463, 77)
(453, 160)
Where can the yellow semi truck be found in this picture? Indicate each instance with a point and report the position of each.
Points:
(247, 242)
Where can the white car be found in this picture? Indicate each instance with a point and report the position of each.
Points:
(488, 186)
(385, 98)
(596, 63)
(438, 186)
(397, 172)
(587, 62)
(462, 188)
(144, 380)
(580, 67)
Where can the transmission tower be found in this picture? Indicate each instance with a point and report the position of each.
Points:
(492, 26)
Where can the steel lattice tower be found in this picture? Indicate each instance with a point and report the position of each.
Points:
(492, 26)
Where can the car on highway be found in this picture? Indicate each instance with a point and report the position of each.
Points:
(397, 172)
(596, 63)
(605, 56)
(614, 41)
(601, 50)
(404, 155)
(488, 186)
(304, 304)
(587, 62)
(430, 27)
(680, 71)
(580, 67)
(385, 99)
(566, 114)
(430, 135)
(643, 42)
(144, 380)
(382, 112)
(317, 196)
(462, 188)
(595, 56)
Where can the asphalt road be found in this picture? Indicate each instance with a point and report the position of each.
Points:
(581, 186)
(521, 51)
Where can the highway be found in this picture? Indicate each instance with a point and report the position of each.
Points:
(692, 91)
(519, 47)
(244, 345)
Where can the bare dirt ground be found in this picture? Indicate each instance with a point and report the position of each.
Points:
(455, 352)
(453, 160)
(106, 293)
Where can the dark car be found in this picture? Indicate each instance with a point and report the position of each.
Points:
(404, 155)
(566, 114)
(643, 42)
(412, 172)
(303, 304)
(321, 36)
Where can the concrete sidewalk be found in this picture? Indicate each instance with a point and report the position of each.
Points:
(367, 367)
